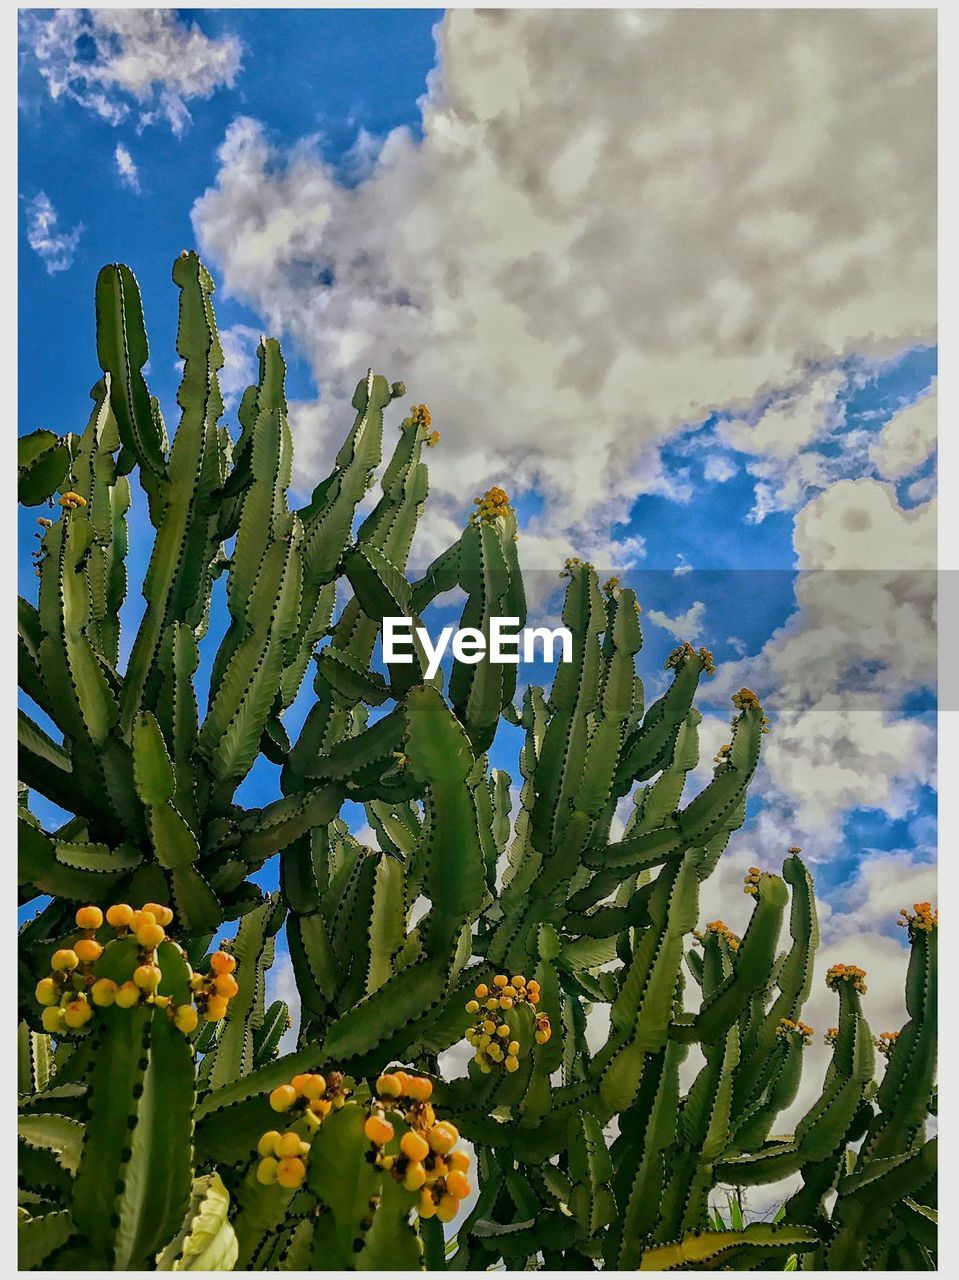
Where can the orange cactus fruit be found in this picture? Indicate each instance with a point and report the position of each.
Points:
(89, 917)
(415, 1176)
(104, 992)
(120, 915)
(389, 1086)
(378, 1130)
(414, 1147)
(226, 985)
(290, 1173)
(149, 936)
(443, 1137)
(283, 1097)
(457, 1184)
(222, 962)
(88, 950)
(147, 977)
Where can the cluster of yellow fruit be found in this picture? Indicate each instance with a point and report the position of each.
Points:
(887, 1042)
(420, 415)
(490, 1035)
(308, 1099)
(73, 989)
(787, 1028)
(44, 523)
(922, 918)
(831, 1036)
(681, 655)
(722, 930)
(494, 503)
(610, 585)
(745, 700)
(723, 754)
(70, 500)
(427, 1161)
(840, 973)
(751, 881)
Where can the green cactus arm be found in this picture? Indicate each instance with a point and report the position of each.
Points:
(61, 1135)
(439, 756)
(72, 870)
(253, 951)
(206, 1241)
(39, 1239)
(34, 1060)
(650, 747)
(133, 1183)
(866, 1199)
(123, 350)
(640, 1015)
(489, 575)
(519, 1240)
(387, 928)
(751, 966)
(440, 578)
(177, 579)
(759, 1244)
(43, 459)
(910, 1077)
(274, 827)
(177, 715)
(590, 1168)
(366, 1226)
(46, 766)
(267, 1036)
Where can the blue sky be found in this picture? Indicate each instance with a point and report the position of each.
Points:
(695, 497)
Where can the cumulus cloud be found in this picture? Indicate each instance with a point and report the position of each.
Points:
(614, 223)
(239, 343)
(126, 168)
(115, 62)
(907, 440)
(836, 675)
(685, 626)
(44, 236)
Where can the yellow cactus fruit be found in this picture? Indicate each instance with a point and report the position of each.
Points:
(119, 916)
(47, 992)
(103, 992)
(457, 1184)
(482, 991)
(512, 1062)
(502, 1031)
(64, 960)
(52, 1018)
(489, 1027)
(186, 1019)
(226, 985)
(197, 982)
(140, 918)
(149, 936)
(492, 1003)
(415, 1176)
(500, 980)
(266, 1171)
(283, 1097)
(88, 950)
(420, 1089)
(447, 1208)
(162, 914)
(518, 980)
(222, 962)
(321, 1107)
(388, 1086)
(127, 995)
(89, 917)
(459, 1161)
(216, 1008)
(77, 1013)
(443, 1137)
(267, 1144)
(313, 1087)
(414, 1147)
(287, 1144)
(533, 997)
(161, 1002)
(44, 523)
(426, 1205)
(495, 1052)
(147, 977)
(378, 1130)
(472, 1006)
(541, 1037)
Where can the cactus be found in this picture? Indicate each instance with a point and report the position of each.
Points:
(152, 1084)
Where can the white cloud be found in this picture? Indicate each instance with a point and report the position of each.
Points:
(835, 676)
(773, 212)
(685, 626)
(114, 61)
(907, 440)
(55, 247)
(126, 168)
(719, 468)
